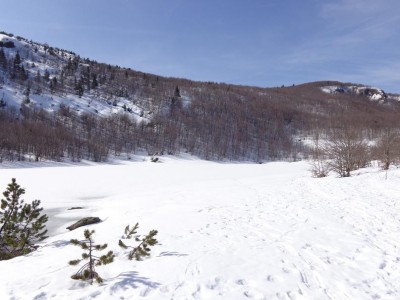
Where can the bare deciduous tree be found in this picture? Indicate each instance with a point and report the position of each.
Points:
(387, 148)
(319, 165)
(347, 151)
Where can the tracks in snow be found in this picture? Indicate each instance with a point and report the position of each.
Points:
(319, 238)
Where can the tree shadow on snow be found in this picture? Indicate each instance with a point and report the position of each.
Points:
(59, 244)
(168, 253)
(40, 296)
(131, 280)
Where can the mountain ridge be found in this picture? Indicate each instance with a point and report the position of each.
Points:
(166, 114)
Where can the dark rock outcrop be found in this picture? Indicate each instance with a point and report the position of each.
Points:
(84, 222)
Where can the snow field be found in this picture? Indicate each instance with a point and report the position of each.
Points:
(226, 231)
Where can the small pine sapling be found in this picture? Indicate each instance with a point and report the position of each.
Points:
(141, 250)
(87, 271)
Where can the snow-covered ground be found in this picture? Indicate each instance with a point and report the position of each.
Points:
(226, 231)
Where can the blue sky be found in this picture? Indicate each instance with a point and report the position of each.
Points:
(251, 42)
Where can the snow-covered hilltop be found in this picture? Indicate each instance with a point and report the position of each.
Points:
(373, 93)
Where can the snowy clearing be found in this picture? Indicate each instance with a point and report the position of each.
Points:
(226, 231)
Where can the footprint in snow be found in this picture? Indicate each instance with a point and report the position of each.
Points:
(41, 296)
(273, 278)
(382, 265)
(197, 293)
(214, 284)
(145, 292)
(241, 282)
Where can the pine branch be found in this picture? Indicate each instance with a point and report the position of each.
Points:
(130, 232)
(74, 262)
(122, 245)
(143, 249)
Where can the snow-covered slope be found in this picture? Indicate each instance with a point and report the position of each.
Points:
(52, 102)
(43, 57)
(38, 59)
(226, 231)
(372, 93)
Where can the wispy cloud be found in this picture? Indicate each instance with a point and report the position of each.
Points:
(386, 76)
(357, 40)
(377, 19)
(357, 8)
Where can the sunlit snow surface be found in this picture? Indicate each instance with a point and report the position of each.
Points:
(226, 231)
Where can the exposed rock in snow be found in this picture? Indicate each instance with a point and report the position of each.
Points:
(372, 93)
(84, 222)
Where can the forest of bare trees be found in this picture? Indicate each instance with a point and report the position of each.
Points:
(211, 120)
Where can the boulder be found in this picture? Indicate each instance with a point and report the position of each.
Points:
(75, 207)
(84, 222)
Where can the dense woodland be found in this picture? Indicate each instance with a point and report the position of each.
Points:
(211, 120)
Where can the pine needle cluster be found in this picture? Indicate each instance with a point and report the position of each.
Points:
(143, 249)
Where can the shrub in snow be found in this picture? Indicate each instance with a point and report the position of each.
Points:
(319, 165)
(154, 159)
(21, 224)
(347, 151)
(141, 250)
(87, 271)
(319, 169)
(386, 148)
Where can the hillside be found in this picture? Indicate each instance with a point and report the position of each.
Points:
(56, 105)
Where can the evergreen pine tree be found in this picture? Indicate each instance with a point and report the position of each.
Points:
(22, 224)
(27, 92)
(177, 92)
(10, 207)
(17, 60)
(87, 271)
(3, 60)
(15, 70)
(79, 87)
(23, 75)
(141, 250)
(53, 84)
(38, 78)
(3, 103)
(94, 83)
(46, 75)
